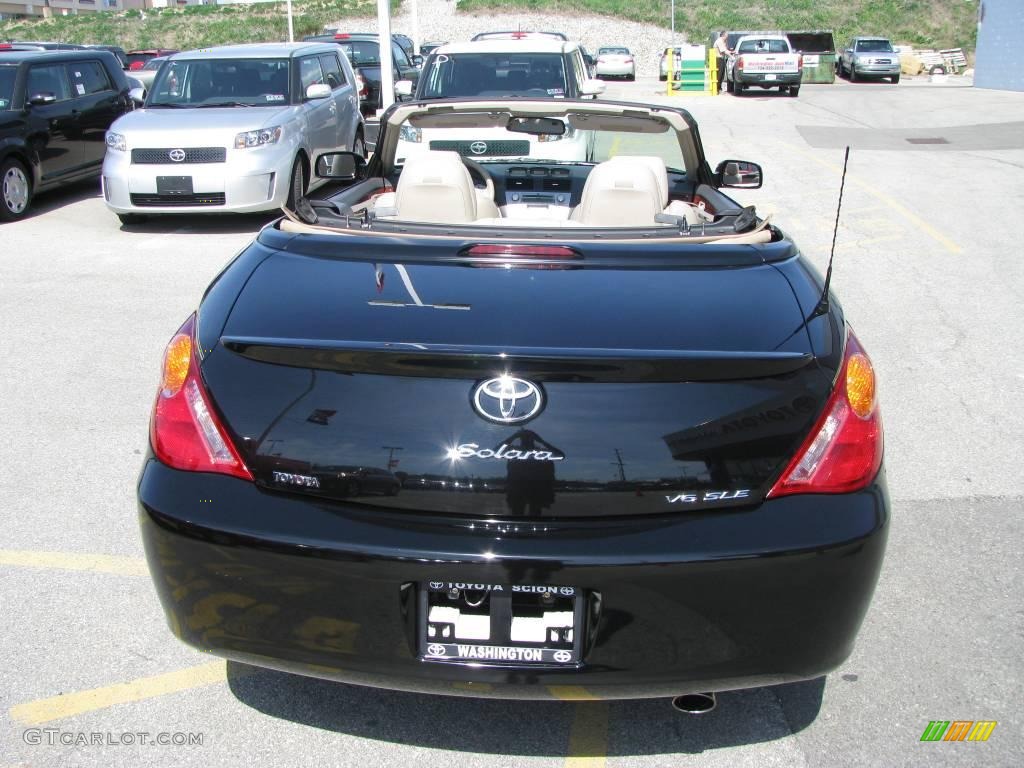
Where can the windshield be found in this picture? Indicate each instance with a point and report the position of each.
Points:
(764, 46)
(572, 138)
(362, 53)
(221, 82)
(494, 74)
(7, 86)
(613, 52)
(874, 46)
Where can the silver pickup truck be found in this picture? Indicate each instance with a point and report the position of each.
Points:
(765, 61)
(869, 57)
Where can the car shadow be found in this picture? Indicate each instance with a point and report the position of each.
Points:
(526, 728)
(202, 223)
(62, 196)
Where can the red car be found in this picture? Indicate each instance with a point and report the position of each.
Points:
(137, 59)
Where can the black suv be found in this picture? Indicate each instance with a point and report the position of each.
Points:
(363, 51)
(55, 108)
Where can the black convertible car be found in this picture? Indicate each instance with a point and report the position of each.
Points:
(639, 443)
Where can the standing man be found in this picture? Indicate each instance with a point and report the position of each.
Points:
(722, 48)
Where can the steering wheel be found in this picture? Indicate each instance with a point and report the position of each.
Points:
(478, 173)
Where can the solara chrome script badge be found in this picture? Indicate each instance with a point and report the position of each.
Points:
(508, 400)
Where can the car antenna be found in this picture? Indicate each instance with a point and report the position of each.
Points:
(822, 307)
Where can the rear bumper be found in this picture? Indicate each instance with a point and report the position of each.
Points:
(768, 79)
(718, 601)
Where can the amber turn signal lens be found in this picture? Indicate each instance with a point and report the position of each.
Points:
(176, 361)
(860, 385)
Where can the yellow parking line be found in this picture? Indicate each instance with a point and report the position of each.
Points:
(73, 561)
(70, 704)
(588, 736)
(891, 202)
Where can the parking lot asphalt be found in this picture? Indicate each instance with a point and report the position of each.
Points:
(929, 269)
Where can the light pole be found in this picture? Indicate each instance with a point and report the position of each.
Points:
(391, 454)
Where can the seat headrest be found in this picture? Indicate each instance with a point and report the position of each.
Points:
(657, 166)
(619, 194)
(435, 187)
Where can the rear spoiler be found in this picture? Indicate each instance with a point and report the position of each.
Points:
(541, 363)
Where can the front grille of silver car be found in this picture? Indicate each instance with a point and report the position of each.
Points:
(489, 148)
(192, 155)
(204, 198)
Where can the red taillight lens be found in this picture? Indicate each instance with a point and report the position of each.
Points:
(185, 432)
(515, 255)
(342, 36)
(844, 450)
(628, 61)
(739, 63)
(800, 61)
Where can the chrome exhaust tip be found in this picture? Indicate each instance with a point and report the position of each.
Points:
(695, 703)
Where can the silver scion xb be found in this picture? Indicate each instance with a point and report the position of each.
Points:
(235, 128)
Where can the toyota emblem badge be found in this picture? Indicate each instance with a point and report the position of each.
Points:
(508, 400)
(435, 649)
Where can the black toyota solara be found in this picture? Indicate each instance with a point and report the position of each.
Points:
(529, 402)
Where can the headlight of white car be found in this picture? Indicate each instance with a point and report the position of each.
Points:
(116, 141)
(258, 138)
(410, 133)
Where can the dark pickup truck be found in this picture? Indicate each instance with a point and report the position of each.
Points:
(363, 51)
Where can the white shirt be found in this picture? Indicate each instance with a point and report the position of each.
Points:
(722, 46)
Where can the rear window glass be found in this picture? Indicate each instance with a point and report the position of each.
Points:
(361, 53)
(764, 46)
(495, 74)
(88, 77)
(7, 86)
(613, 51)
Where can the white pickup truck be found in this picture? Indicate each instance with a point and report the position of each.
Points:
(765, 61)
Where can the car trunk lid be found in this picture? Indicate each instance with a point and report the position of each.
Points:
(659, 390)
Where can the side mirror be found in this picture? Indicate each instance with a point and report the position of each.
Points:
(417, 61)
(39, 99)
(738, 174)
(592, 88)
(403, 89)
(137, 95)
(318, 91)
(340, 166)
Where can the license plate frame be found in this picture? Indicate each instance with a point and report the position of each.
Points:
(174, 185)
(769, 78)
(501, 648)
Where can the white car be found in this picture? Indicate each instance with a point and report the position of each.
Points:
(615, 62)
(513, 68)
(236, 128)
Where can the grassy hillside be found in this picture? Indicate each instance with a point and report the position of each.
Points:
(194, 26)
(923, 23)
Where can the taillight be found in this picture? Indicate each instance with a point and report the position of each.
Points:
(844, 450)
(185, 432)
(515, 255)
(739, 63)
(800, 61)
(628, 61)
